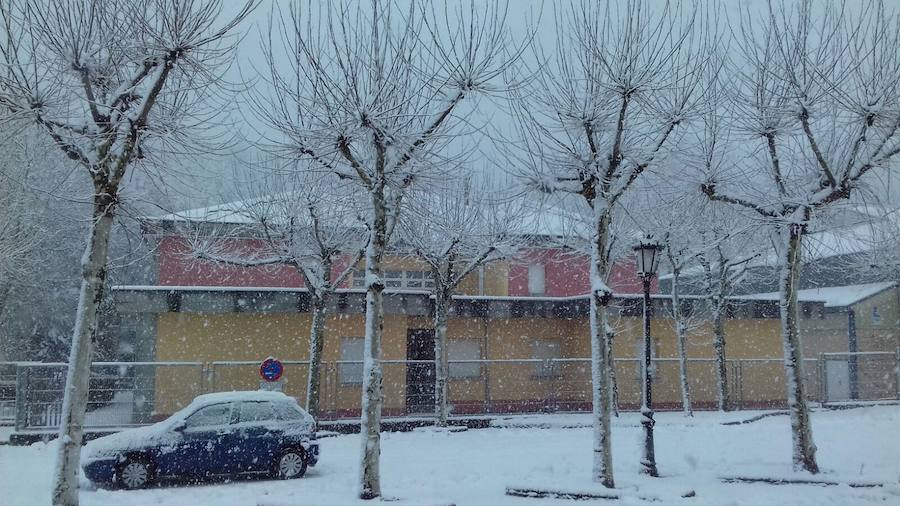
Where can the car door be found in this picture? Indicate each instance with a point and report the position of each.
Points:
(254, 441)
(199, 451)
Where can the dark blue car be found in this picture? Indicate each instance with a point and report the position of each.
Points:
(222, 434)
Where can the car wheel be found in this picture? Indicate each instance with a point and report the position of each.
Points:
(290, 464)
(134, 473)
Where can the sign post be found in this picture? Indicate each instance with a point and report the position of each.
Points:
(271, 371)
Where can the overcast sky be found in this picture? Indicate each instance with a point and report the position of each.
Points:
(522, 16)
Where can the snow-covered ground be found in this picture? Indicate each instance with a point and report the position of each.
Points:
(474, 467)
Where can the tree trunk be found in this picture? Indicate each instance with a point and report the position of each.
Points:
(719, 348)
(442, 368)
(804, 450)
(600, 366)
(71, 429)
(316, 344)
(5, 288)
(614, 398)
(681, 344)
(370, 424)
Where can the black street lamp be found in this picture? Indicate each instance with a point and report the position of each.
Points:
(647, 263)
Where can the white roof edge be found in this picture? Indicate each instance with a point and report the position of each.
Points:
(831, 296)
(191, 288)
(209, 288)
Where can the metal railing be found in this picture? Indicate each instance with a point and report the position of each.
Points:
(126, 394)
(121, 394)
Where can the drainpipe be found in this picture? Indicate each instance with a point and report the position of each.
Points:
(481, 279)
(851, 359)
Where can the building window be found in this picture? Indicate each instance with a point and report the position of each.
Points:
(416, 280)
(464, 349)
(536, 280)
(876, 317)
(393, 279)
(548, 351)
(807, 310)
(350, 371)
(687, 308)
(631, 307)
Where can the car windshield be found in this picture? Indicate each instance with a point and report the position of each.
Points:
(216, 414)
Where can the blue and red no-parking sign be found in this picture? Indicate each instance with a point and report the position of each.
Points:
(271, 370)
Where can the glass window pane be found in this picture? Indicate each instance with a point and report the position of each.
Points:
(287, 411)
(217, 414)
(351, 351)
(546, 350)
(464, 349)
(256, 412)
(536, 284)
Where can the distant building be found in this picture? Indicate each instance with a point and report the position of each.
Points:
(519, 333)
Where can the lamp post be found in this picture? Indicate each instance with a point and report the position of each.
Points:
(647, 261)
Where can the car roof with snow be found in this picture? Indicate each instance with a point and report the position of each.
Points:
(250, 395)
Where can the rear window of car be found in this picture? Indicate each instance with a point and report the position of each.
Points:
(287, 411)
(216, 414)
(256, 411)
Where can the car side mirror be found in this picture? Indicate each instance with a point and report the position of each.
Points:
(180, 426)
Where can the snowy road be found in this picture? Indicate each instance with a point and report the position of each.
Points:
(474, 467)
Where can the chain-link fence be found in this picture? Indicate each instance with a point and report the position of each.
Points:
(7, 393)
(134, 393)
(862, 376)
(121, 394)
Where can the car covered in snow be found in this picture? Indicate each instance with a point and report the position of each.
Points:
(220, 434)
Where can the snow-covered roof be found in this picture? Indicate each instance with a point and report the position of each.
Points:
(229, 212)
(537, 218)
(845, 240)
(832, 296)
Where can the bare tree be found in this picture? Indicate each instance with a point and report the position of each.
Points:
(604, 108)
(110, 83)
(20, 231)
(818, 87)
(725, 262)
(303, 222)
(707, 254)
(374, 95)
(455, 232)
(679, 257)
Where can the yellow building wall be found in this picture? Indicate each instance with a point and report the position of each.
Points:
(514, 379)
(253, 337)
(763, 380)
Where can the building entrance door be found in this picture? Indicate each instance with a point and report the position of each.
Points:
(837, 374)
(420, 375)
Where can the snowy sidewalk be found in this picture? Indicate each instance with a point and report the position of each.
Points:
(475, 467)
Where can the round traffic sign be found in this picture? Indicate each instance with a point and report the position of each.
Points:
(271, 369)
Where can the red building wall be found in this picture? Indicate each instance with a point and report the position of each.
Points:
(177, 268)
(565, 274)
